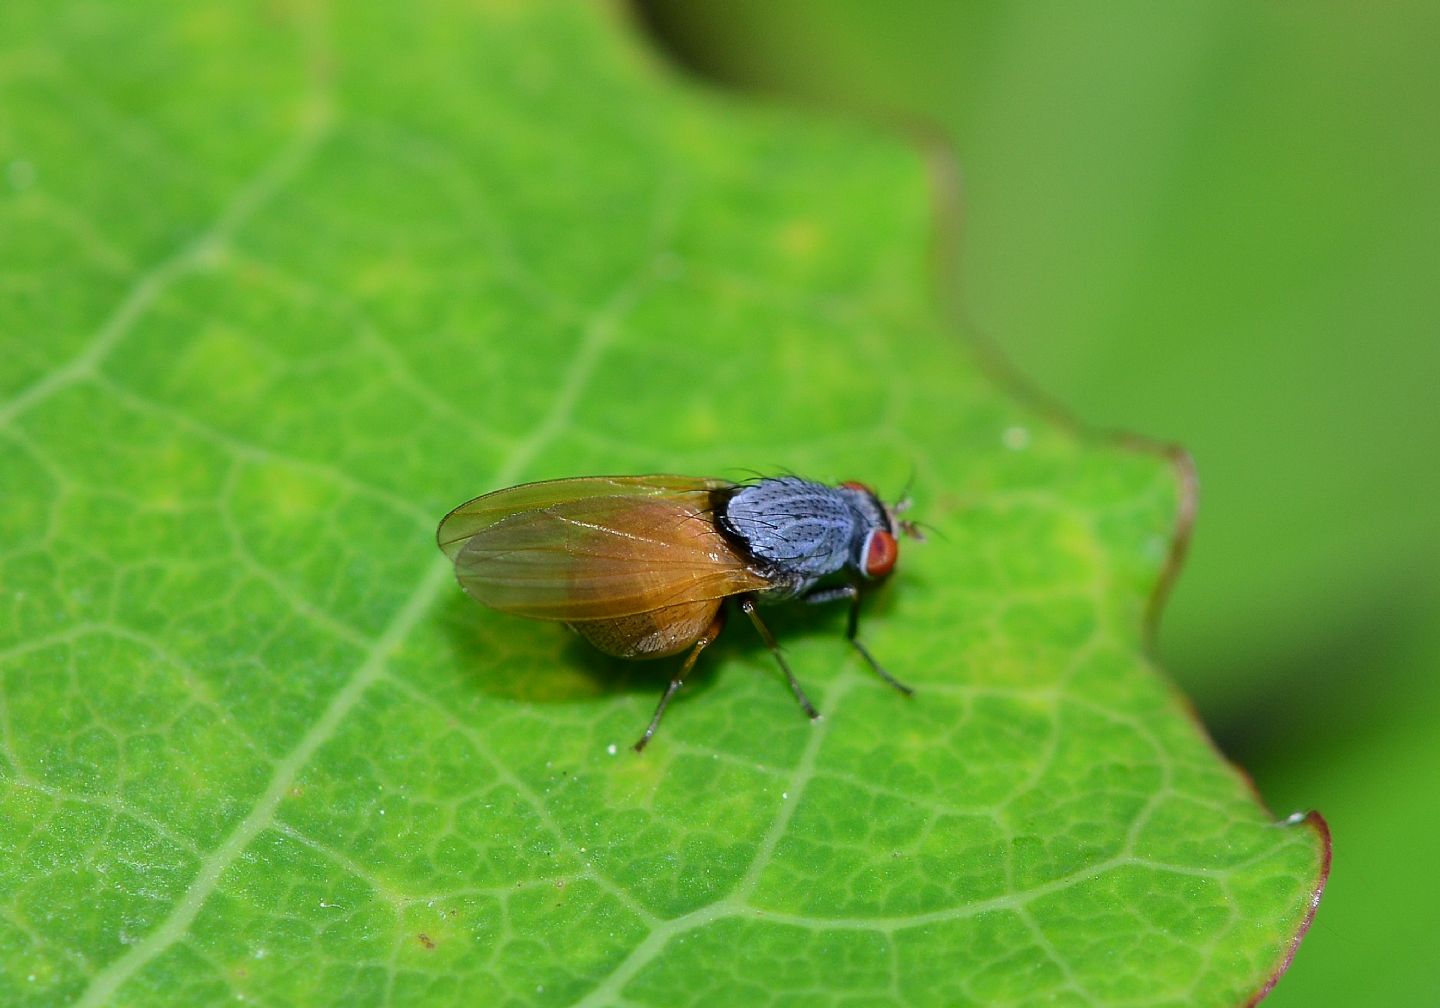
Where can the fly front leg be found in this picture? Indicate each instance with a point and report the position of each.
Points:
(820, 596)
(703, 642)
(747, 606)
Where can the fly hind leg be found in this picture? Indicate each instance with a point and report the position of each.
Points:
(704, 640)
(851, 592)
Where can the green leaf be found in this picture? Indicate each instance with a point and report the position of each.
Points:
(281, 289)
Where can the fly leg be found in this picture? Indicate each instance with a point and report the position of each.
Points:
(705, 640)
(852, 592)
(747, 605)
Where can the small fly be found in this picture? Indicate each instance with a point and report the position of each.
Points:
(641, 566)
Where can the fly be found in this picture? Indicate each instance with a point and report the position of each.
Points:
(641, 566)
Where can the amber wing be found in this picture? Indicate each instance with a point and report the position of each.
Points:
(594, 548)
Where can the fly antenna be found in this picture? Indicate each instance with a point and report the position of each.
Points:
(920, 531)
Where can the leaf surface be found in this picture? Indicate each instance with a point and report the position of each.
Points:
(285, 286)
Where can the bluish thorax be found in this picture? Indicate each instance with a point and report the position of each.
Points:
(801, 530)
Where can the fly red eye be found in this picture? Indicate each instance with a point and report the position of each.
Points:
(881, 552)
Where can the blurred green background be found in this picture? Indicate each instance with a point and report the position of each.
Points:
(1214, 223)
